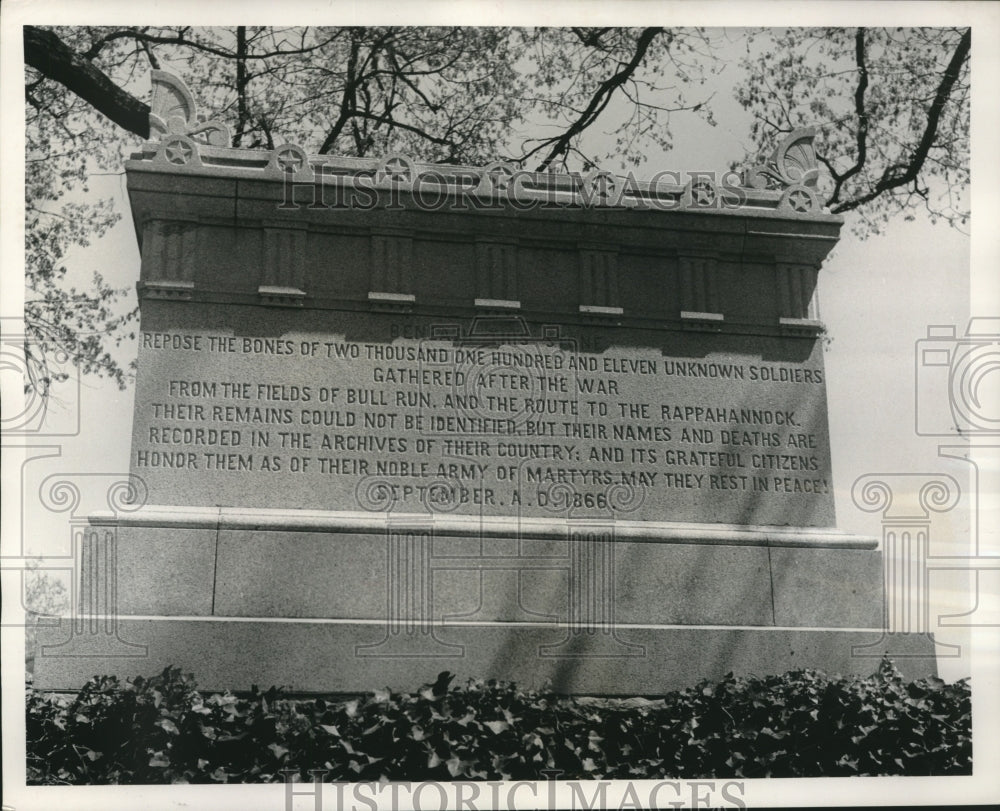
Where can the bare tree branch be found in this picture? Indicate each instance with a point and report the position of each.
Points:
(590, 37)
(242, 79)
(598, 102)
(51, 57)
(859, 109)
(181, 39)
(348, 100)
(153, 61)
(899, 175)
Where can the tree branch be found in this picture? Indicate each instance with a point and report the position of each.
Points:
(386, 118)
(892, 178)
(153, 61)
(862, 114)
(355, 79)
(51, 57)
(600, 100)
(242, 79)
(180, 39)
(348, 100)
(590, 37)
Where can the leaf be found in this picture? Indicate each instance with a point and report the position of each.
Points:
(533, 740)
(168, 725)
(159, 760)
(497, 726)
(330, 730)
(277, 750)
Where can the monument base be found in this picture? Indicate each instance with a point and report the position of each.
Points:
(314, 656)
(334, 602)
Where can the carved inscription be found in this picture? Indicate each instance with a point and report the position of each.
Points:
(497, 426)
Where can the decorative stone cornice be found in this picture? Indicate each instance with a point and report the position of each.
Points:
(792, 170)
(173, 113)
(792, 163)
(186, 143)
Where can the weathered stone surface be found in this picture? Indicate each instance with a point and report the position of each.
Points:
(314, 575)
(257, 572)
(306, 656)
(165, 571)
(827, 588)
(336, 410)
(268, 574)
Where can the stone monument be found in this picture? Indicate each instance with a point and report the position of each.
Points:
(394, 418)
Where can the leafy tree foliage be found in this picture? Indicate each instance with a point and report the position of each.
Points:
(43, 596)
(67, 140)
(892, 106)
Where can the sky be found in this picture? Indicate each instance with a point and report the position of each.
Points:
(877, 298)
